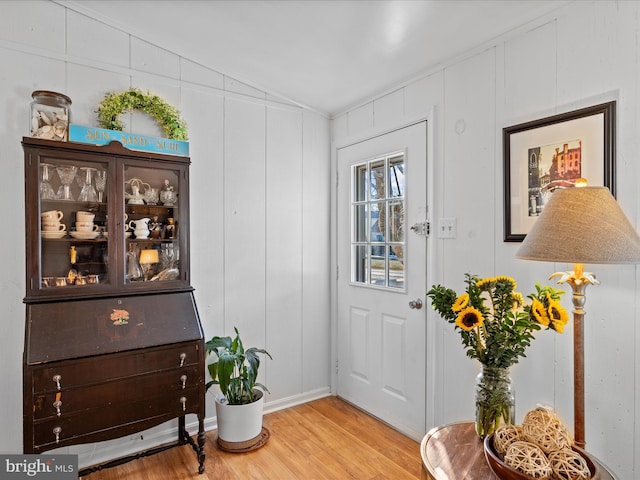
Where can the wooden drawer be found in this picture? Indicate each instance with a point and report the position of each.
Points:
(89, 425)
(112, 394)
(95, 370)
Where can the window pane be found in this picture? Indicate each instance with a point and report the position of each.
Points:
(377, 223)
(360, 263)
(396, 176)
(396, 267)
(378, 266)
(360, 223)
(396, 221)
(360, 183)
(377, 180)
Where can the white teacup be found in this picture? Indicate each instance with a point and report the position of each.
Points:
(86, 227)
(83, 217)
(51, 216)
(53, 227)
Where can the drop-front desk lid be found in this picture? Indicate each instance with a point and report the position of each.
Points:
(81, 328)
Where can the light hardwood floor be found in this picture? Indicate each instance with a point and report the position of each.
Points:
(326, 439)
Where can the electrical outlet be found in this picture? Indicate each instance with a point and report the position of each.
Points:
(447, 228)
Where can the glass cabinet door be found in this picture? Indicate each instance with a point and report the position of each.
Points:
(152, 224)
(73, 223)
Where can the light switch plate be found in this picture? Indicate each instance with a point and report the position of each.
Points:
(447, 228)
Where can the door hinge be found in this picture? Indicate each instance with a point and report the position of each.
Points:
(422, 228)
(337, 366)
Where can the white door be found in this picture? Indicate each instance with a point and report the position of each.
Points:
(382, 276)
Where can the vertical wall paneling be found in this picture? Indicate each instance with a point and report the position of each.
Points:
(86, 36)
(284, 250)
(245, 220)
(206, 148)
(316, 257)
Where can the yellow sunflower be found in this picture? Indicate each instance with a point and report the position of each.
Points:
(461, 302)
(486, 283)
(518, 299)
(539, 312)
(557, 326)
(469, 318)
(504, 278)
(558, 315)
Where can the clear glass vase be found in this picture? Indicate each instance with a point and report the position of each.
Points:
(495, 400)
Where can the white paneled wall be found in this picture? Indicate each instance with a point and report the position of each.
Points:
(588, 54)
(259, 200)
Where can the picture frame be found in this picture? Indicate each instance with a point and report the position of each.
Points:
(543, 155)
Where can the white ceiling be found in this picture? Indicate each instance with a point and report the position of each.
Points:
(324, 54)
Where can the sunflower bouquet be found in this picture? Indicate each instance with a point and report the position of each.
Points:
(496, 327)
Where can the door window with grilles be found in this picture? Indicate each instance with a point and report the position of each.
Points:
(377, 219)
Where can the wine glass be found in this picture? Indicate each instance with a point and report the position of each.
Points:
(67, 174)
(101, 183)
(46, 190)
(88, 192)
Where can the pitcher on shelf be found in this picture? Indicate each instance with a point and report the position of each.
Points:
(140, 227)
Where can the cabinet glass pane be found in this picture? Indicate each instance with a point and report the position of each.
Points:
(152, 224)
(74, 246)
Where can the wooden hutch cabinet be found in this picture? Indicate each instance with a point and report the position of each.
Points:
(113, 341)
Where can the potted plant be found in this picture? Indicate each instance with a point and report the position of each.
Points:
(239, 406)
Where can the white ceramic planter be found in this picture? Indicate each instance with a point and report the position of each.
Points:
(239, 423)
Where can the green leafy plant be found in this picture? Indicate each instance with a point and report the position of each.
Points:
(495, 325)
(114, 105)
(236, 369)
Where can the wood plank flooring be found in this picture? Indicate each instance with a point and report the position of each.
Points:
(326, 439)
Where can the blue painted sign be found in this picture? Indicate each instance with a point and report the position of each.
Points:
(132, 141)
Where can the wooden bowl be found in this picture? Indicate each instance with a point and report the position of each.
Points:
(505, 472)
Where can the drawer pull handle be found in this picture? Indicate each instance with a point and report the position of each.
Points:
(57, 378)
(183, 357)
(183, 379)
(57, 405)
(57, 431)
(183, 401)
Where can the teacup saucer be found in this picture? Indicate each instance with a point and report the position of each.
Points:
(84, 235)
(48, 234)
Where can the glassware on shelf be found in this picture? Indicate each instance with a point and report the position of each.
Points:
(67, 174)
(168, 196)
(88, 192)
(46, 190)
(151, 196)
(134, 270)
(101, 183)
(50, 115)
(168, 256)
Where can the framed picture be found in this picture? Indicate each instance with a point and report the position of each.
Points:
(550, 153)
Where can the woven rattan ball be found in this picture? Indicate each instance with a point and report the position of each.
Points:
(569, 465)
(543, 428)
(528, 459)
(505, 436)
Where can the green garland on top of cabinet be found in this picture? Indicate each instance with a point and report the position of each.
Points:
(116, 104)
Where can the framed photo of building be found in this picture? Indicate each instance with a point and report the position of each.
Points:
(544, 155)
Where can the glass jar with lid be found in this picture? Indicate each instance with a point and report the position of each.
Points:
(50, 112)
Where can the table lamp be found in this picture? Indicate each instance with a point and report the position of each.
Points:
(581, 225)
(148, 258)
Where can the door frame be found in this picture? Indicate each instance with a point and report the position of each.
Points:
(430, 255)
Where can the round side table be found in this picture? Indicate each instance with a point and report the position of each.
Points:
(455, 452)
